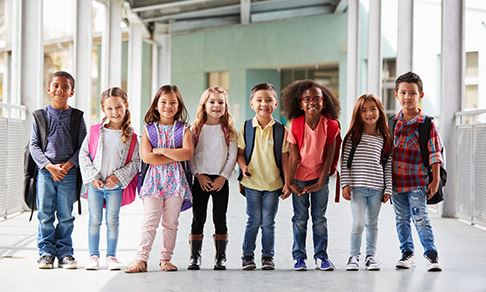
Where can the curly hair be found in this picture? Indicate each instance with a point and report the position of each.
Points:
(153, 116)
(126, 127)
(292, 94)
(226, 120)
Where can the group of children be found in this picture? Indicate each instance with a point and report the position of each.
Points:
(274, 163)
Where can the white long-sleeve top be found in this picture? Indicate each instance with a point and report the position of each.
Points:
(366, 169)
(212, 155)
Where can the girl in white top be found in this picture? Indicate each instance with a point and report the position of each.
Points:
(215, 153)
(107, 174)
(366, 175)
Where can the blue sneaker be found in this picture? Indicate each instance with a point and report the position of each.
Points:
(325, 265)
(300, 265)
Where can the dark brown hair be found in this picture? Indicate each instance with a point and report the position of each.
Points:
(126, 128)
(153, 116)
(292, 94)
(63, 74)
(410, 77)
(262, 86)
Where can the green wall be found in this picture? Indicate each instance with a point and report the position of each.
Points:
(253, 53)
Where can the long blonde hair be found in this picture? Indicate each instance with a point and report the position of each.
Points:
(226, 120)
(126, 129)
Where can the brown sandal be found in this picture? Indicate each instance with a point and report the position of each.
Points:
(137, 267)
(167, 266)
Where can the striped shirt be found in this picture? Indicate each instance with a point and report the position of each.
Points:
(366, 169)
(59, 143)
(409, 172)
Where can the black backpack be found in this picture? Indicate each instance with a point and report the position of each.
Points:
(30, 167)
(424, 136)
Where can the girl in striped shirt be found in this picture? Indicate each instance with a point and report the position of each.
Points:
(366, 175)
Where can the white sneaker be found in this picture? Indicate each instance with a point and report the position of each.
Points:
(353, 263)
(372, 264)
(407, 261)
(93, 263)
(112, 263)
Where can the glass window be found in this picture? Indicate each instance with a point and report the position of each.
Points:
(220, 78)
(58, 19)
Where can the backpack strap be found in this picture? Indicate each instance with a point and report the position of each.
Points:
(278, 137)
(76, 117)
(178, 134)
(131, 149)
(152, 135)
(424, 137)
(94, 137)
(249, 140)
(40, 118)
(354, 145)
(298, 130)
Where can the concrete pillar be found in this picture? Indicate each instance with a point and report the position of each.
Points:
(352, 68)
(163, 59)
(82, 57)
(405, 37)
(135, 73)
(29, 70)
(374, 48)
(452, 88)
(111, 46)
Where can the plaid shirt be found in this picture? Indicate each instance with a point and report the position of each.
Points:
(409, 172)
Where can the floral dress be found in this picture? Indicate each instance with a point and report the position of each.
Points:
(167, 180)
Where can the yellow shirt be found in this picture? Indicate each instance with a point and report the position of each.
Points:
(265, 176)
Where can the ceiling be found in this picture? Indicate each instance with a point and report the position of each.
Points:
(186, 15)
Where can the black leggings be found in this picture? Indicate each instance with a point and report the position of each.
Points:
(200, 200)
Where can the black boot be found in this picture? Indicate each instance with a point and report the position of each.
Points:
(220, 241)
(195, 241)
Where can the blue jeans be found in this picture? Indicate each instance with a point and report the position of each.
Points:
(261, 208)
(96, 199)
(55, 199)
(365, 207)
(317, 201)
(413, 205)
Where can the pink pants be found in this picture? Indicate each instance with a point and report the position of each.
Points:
(153, 209)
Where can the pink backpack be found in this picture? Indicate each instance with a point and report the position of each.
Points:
(129, 193)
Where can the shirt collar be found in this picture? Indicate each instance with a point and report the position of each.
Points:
(420, 118)
(256, 124)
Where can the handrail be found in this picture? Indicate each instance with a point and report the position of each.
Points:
(12, 111)
(471, 117)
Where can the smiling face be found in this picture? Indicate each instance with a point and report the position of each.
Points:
(263, 102)
(369, 113)
(60, 89)
(168, 106)
(408, 95)
(115, 109)
(215, 107)
(312, 101)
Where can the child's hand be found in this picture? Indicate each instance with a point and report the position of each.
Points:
(313, 187)
(432, 188)
(98, 183)
(218, 183)
(111, 181)
(205, 182)
(386, 197)
(56, 171)
(67, 166)
(347, 193)
(285, 192)
(246, 173)
(296, 190)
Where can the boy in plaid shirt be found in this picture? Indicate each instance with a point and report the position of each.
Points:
(410, 182)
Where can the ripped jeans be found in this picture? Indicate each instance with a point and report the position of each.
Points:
(413, 205)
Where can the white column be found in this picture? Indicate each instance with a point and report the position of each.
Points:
(111, 46)
(31, 56)
(405, 37)
(374, 48)
(245, 11)
(82, 57)
(452, 88)
(15, 10)
(164, 59)
(352, 68)
(135, 73)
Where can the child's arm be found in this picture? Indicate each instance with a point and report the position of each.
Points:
(345, 171)
(148, 156)
(41, 159)
(294, 157)
(388, 180)
(73, 161)
(285, 165)
(125, 174)
(434, 185)
(435, 159)
(179, 154)
(242, 163)
(88, 171)
(228, 167)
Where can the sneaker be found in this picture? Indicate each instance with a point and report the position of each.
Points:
(112, 263)
(67, 262)
(372, 264)
(93, 263)
(325, 265)
(268, 264)
(432, 261)
(300, 265)
(45, 262)
(247, 263)
(407, 261)
(353, 263)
